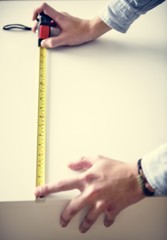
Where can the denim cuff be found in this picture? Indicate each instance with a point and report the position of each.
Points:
(120, 14)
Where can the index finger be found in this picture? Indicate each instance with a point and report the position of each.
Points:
(47, 10)
(63, 185)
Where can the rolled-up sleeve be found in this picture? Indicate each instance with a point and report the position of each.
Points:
(120, 14)
(154, 167)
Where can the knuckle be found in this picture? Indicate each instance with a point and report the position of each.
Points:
(50, 43)
(44, 4)
(93, 194)
(89, 177)
(60, 185)
(84, 158)
(100, 157)
(60, 16)
(45, 189)
(100, 206)
(72, 212)
(65, 13)
(110, 209)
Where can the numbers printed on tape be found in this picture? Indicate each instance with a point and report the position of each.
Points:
(41, 128)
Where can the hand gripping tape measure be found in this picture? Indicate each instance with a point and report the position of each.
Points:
(44, 25)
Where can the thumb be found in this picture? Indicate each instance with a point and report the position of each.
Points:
(52, 42)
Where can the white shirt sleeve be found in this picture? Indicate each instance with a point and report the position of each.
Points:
(154, 167)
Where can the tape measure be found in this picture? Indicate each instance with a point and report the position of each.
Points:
(41, 128)
(44, 32)
(44, 25)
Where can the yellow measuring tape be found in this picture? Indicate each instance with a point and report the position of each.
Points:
(41, 128)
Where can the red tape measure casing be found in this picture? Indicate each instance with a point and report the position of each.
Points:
(44, 31)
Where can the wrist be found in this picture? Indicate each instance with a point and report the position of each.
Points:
(97, 28)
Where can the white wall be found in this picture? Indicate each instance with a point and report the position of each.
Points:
(107, 97)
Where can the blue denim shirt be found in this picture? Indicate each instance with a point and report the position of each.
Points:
(120, 14)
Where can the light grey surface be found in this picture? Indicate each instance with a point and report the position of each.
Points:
(107, 97)
(39, 221)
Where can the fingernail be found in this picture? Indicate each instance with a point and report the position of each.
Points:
(63, 223)
(83, 230)
(108, 223)
(43, 43)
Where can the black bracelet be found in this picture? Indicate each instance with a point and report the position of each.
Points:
(142, 181)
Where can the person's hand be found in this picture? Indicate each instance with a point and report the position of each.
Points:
(106, 186)
(73, 30)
